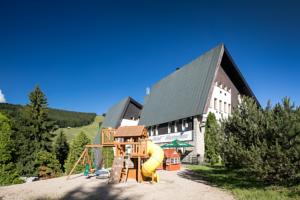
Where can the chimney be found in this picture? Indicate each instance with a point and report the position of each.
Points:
(147, 90)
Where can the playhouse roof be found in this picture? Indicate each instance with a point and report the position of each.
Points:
(171, 153)
(130, 131)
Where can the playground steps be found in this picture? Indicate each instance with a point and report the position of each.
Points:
(120, 168)
(124, 175)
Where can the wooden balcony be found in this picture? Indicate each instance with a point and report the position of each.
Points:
(139, 149)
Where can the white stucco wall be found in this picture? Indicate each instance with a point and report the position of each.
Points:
(128, 122)
(223, 94)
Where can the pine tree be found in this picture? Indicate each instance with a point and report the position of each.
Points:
(8, 173)
(76, 148)
(264, 143)
(212, 139)
(61, 148)
(47, 164)
(33, 132)
(36, 114)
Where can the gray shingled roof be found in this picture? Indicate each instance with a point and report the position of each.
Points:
(114, 114)
(184, 92)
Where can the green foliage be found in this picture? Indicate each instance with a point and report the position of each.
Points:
(66, 119)
(264, 142)
(108, 156)
(212, 140)
(33, 132)
(36, 116)
(62, 118)
(61, 148)
(76, 148)
(47, 164)
(8, 172)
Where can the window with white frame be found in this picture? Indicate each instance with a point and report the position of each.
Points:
(156, 130)
(151, 131)
(220, 106)
(183, 124)
(225, 107)
(215, 103)
(175, 127)
(169, 127)
(229, 108)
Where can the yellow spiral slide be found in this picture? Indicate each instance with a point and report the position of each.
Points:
(156, 155)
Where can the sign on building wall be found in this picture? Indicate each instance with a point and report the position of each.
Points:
(182, 136)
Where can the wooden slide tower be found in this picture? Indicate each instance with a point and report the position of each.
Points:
(130, 151)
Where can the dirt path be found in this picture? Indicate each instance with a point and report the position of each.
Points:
(173, 185)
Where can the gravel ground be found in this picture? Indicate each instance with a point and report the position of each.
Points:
(181, 185)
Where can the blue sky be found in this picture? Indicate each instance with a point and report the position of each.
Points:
(87, 55)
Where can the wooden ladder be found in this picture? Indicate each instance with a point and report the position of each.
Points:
(124, 174)
(116, 170)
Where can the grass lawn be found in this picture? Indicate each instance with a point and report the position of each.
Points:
(90, 130)
(242, 187)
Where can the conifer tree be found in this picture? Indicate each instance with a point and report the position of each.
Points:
(212, 139)
(8, 173)
(61, 148)
(76, 148)
(34, 132)
(36, 114)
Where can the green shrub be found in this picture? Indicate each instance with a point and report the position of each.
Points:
(8, 172)
(47, 164)
(264, 142)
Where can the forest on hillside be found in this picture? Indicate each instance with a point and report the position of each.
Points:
(62, 118)
(29, 147)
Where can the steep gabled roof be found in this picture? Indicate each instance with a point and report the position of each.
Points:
(184, 92)
(116, 113)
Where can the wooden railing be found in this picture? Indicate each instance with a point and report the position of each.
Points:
(107, 137)
(139, 149)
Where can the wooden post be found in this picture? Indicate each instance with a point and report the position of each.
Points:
(83, 153)
(139, 170)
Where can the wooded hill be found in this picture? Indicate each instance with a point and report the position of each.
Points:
(63, 118)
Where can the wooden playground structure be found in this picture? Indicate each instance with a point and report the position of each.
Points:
(132, 148)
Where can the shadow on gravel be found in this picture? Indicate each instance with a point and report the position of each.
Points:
(102, 192)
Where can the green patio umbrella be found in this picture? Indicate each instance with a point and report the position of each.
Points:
(176, 144)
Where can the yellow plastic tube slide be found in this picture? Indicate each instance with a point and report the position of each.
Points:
(156, 155)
